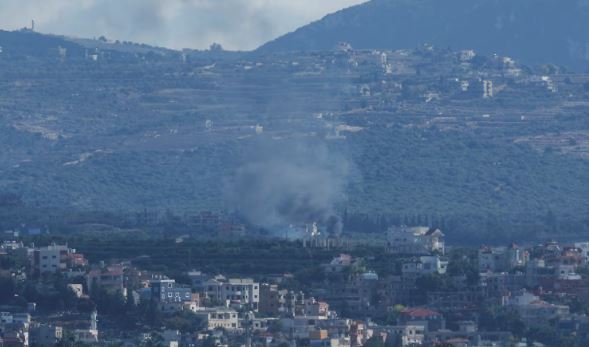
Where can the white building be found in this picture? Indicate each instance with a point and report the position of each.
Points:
(77, 289)
(314, 308)
(11, 245)
(56, 258)
(567, 272)
(411, 334)
(549, 83)
(338, 264)
(533, 310)
(425, 265)
(239, 291)
(344, 47)
(220, 318)
(415, 241)
(500, 259)
(584, 247)
(300, 327)
(487, 89)
(45, 335)
(467, 55)
(88, 335)
(52, 258)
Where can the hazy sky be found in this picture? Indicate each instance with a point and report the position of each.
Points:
(236, 24)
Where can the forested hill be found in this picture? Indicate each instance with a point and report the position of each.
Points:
(411, 136)
(26, 43)
(532, 31)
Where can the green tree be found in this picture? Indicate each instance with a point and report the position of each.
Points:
(394, 341)
(502, 320)
(112, 303)
(185, 321)
(393, 316)
(86, 306)
(150, 313)
(275, 326)
(69, 340)
(154, 340)
(374, 341)
(209, 342)
(7, 289)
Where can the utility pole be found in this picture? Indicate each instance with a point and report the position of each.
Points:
(248, 329)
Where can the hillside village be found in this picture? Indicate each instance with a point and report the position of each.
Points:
(117, 229)
(87, 113)
(431, 294)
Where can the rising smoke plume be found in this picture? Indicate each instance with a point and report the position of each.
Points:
(285, 183)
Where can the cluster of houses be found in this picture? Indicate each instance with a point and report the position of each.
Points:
(537, 283)
(351, 306)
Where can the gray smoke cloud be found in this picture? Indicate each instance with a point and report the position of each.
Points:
(236, 24)
(285, 183)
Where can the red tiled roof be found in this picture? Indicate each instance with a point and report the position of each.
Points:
(540, 303)
(420, 313)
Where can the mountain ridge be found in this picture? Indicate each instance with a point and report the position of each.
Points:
(522, 29)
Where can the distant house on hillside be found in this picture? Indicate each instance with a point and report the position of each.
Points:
(533, 310)
(501, 259)
(110, 278)
(237, 291)
(56, 258)
(431, 320)
(415, 240)
(424, 265)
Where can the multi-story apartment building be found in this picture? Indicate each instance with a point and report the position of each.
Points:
(45, 334)
(239, 291)
(110, 278)
(415, 241)
(500, 259)
(425, 265)
(220, 318)
(272, 299)
(56, 258)
(168, 291)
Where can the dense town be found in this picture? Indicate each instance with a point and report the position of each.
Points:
(468, 144)
(437, 295)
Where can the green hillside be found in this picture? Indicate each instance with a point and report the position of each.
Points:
(379, 138)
